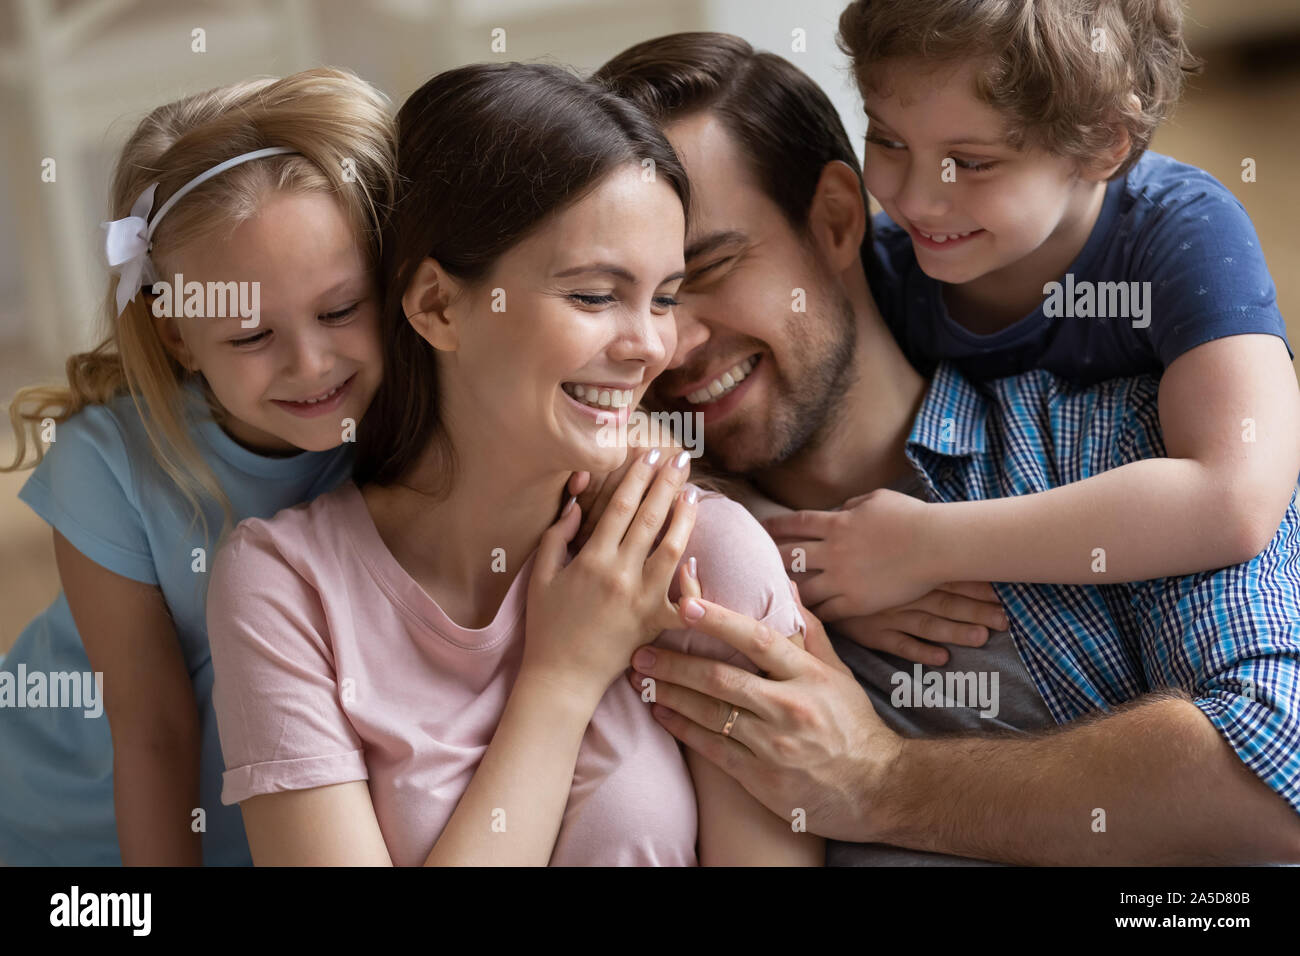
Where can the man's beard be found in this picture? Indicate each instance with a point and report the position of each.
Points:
(800, 413)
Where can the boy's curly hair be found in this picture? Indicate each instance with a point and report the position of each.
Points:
(1068, 75)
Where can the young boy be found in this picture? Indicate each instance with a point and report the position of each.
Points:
(1026, 227)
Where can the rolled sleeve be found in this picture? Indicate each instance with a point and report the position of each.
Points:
(1231, 639)
(275, 692)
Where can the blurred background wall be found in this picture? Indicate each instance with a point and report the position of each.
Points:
(76, 75)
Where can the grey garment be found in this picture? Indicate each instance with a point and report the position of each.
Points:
(993, 681)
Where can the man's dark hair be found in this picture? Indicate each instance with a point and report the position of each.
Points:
(783, 122)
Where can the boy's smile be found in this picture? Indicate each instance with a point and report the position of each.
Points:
(992, 219)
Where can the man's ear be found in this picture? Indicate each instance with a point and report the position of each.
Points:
(837, 218)
(427, 305)
(170, 335)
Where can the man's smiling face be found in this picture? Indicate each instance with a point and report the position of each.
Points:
(765, 336)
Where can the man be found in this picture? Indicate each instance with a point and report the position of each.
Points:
(1153, 723)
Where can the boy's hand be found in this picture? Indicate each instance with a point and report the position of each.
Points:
(873, 554)
(959, 613)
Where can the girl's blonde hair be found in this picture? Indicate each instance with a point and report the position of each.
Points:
(344, 130)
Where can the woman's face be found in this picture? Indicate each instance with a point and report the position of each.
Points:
(581, 307)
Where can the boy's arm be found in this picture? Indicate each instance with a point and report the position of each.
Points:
(1230, 414)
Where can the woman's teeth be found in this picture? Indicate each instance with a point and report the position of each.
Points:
(944, 237)
(723, 383)
(599, 397)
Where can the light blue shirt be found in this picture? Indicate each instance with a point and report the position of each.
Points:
(101, 487)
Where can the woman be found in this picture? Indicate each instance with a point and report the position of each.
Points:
(382, 696)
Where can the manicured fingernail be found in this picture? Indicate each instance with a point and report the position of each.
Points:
(690, 567)
(643, 659)
(692, 610)
(681, 460)
(653, 457)
(569, 507)
(692, 496)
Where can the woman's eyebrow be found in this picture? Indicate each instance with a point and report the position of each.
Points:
(607, 268)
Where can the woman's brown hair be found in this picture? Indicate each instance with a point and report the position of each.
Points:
(486, 154)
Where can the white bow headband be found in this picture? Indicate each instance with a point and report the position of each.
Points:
(129, 240)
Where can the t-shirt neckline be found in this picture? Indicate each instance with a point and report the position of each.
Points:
(407, 593)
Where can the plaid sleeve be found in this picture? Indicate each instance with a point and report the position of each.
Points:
(1231, 639)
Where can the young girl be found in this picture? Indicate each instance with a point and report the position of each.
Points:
(178, 425)
(412, 669)
(1027, 227)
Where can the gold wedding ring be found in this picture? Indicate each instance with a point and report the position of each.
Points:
(731, 722)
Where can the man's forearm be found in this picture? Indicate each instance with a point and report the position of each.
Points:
(1153, 783)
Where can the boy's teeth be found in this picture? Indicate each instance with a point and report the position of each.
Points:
(723, 383)
(945, 236)
(599, 397)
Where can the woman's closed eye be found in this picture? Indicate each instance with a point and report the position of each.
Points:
(886, 143)
(591, 299)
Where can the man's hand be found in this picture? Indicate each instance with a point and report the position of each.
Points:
(877, 552)
(807, 736)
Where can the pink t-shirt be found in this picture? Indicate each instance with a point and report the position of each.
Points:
(332, 664)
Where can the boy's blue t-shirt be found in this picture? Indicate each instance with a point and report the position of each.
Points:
(1164, 223)
(100, 486)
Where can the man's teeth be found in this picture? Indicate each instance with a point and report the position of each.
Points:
(945, 236)
(723, 383)
(599, 397)
(327, 395)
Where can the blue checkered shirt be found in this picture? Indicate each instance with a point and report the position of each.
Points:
(1229, 638)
